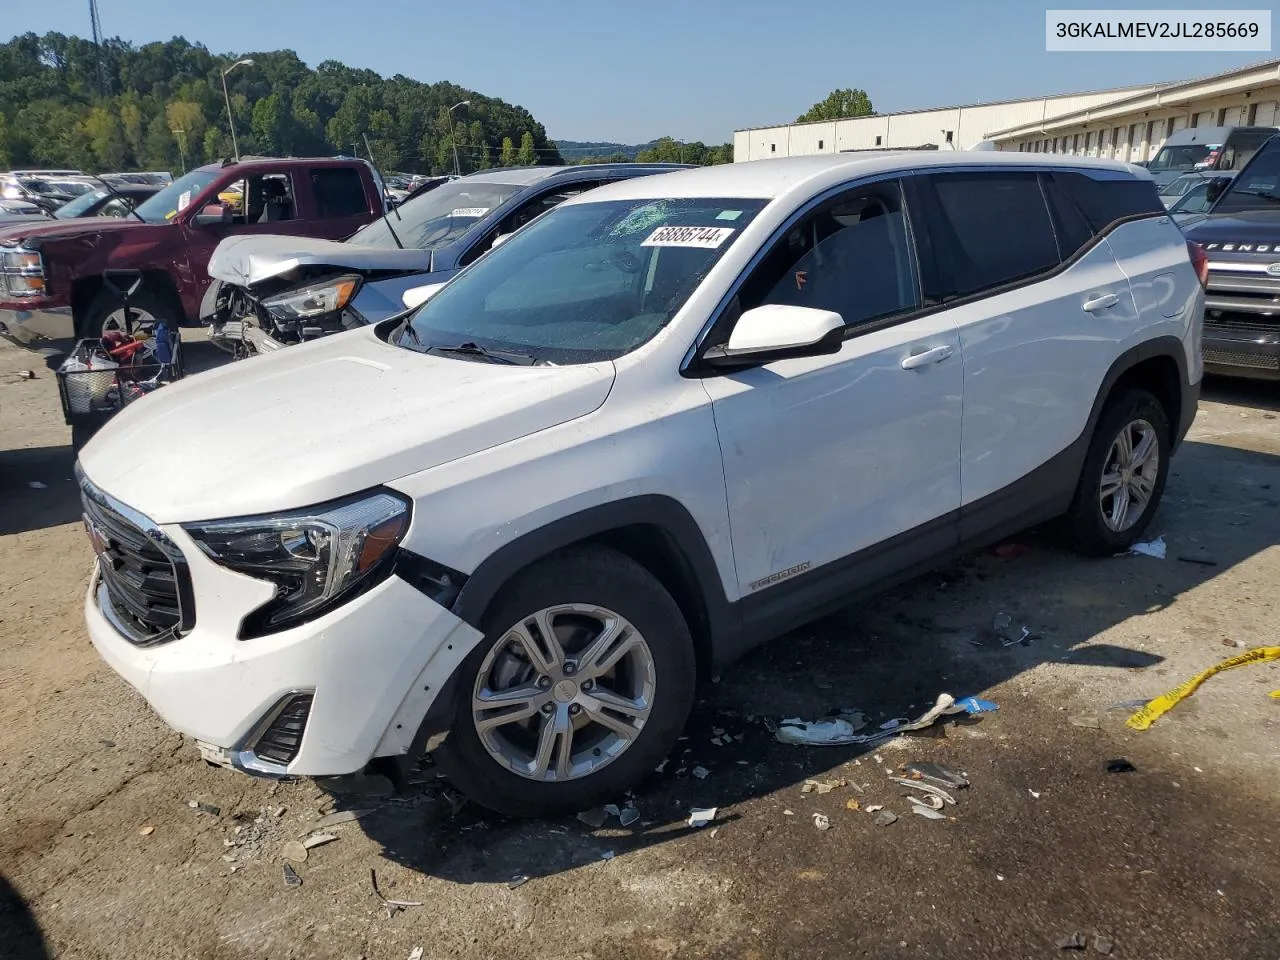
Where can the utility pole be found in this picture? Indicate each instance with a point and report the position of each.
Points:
(182, 146)
(231, 121)
(457, 170)
(96, 26)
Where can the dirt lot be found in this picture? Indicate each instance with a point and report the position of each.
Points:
(102, 855)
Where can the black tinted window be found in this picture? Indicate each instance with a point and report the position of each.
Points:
(339, 192)
(853, 256)
(993, 229)
(1102, 202)
(1257, 186)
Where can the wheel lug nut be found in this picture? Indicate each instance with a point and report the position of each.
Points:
(548, 708)
(588, 684)
(574, 709)
(570, 668)
(544, 682)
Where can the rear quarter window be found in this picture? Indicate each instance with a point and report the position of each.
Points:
(339, 192)
(1102, 202)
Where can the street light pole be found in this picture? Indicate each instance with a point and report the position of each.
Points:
(457, 171)
(231, 121)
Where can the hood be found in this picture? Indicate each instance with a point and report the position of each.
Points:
(13, 219)
(48, 229)
(384, 298)
(322, 420)
(245, 261)
(1247, 226)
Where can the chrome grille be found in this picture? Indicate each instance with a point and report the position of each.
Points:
(146, 591)
(1237, 358)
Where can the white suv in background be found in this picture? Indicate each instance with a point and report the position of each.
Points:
(668, 420)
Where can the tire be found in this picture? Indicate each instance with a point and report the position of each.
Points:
(1087, 525)
(607, 582)
(145, 301)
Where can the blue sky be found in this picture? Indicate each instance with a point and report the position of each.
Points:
(692, 69)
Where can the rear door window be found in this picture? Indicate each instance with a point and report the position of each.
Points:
(339, 192)
(989, 229)
(1102, 202)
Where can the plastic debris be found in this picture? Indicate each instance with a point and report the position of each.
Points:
(1073, 941)
(930, 801)
(788, 813)
(1228, 642)
(415, 953)
(291, 878)
(701, 816)
(295, 851)
(875, 808)
(37, 485)
(1156, 548)
(1103, 945)
(662, 766)
(209, 808)
(935, 792)
(391, 906)
(852, 805)
(595, 817)
(147, 830)
(936, 773)
(27, 375)
(1157, 708)
(1012, 551)
(333, 819)
(1034, 794)
(1120, 765)
(886, 818)
(1274, 694)
(628, 815)
(821, 821)
(318, 840)
(607, 855)
(701, 772)
(1088, 722)
(1130, 704)
(837, 731)
(1001, 623)
(923, 809)
(519, 880)
(821, 787)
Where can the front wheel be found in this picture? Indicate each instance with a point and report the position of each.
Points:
(105, 313)
(1124, 475)
(581, 686)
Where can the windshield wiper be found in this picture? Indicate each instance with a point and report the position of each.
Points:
(496, 356)
(1264, 194)
(407, 327)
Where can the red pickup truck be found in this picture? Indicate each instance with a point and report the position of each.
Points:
(51, 284)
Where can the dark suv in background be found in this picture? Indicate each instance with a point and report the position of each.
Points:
(1241, 235)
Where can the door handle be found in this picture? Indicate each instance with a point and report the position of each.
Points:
(926, 357)
(1101, 302)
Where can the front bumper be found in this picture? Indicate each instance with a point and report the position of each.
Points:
(1241, 352)
(373, 668)
(28, 328)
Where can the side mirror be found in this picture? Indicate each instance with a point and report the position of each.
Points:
(1216, 188)
(417, 296)
(779, 332)
(215, 214)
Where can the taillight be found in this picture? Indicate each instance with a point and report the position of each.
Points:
(1199, 261)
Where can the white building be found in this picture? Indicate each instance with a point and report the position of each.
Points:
(1246, 96)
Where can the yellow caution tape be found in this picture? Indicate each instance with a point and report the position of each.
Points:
(1157, 708)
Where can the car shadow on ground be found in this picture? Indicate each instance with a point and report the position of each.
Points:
(20, 936)
(1256, 394)
(890, 657)
(37, 489)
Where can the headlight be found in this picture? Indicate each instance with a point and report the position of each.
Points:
(315, 557)
(24, 260)
(312, 301)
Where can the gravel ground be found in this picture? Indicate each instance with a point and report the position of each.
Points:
(103, 856)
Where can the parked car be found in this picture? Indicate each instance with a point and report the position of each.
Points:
(105, 201)
(673, 417)
(1195, 203)
(46, 194)
(285, 285)
(52, 279)
(1207, 149)
(1178, 187)
(1241, 235)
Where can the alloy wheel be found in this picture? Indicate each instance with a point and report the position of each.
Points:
(563, 692)
(1129, 475)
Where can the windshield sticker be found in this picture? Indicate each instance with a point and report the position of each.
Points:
(184, 200)
(473, 212)
(728, 214)
(707, 238)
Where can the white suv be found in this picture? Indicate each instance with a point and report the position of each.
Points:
(668, 420)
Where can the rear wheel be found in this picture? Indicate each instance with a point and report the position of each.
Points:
(1124, 475)
(580, 688)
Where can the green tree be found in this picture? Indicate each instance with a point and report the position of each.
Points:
(508, 156)
(528, 154)
(486, 159)
(106, 138)
(160, 151)
(4, 141)
(271, 126)
(838, 105)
